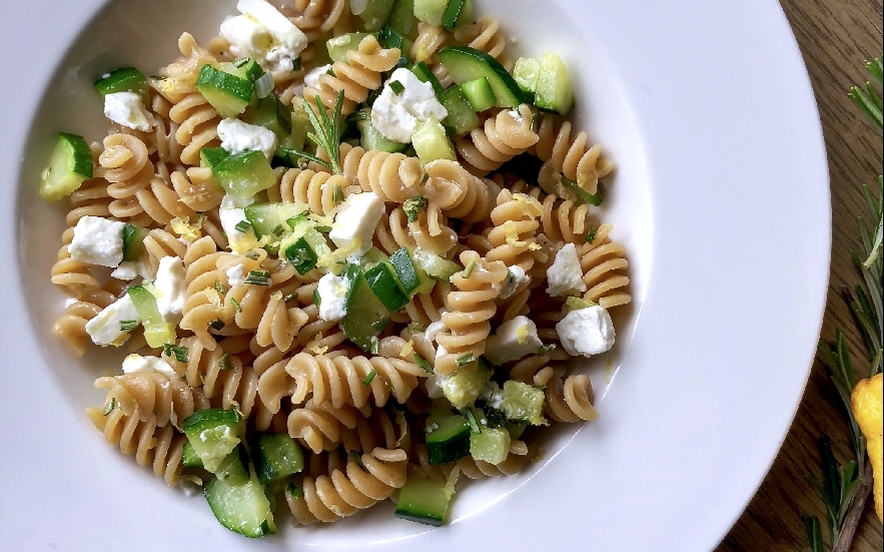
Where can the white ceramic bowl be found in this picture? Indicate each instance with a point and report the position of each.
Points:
(721, 197)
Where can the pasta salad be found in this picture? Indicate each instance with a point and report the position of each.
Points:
(348, 248)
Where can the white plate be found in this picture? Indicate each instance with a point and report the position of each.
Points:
(721, 197)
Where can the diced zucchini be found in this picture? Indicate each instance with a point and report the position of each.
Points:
(402, 18)
(189, 457)
(375, 13)
(301, 255)
(69, 165)
(301, 126)
(490, 445)
(525, 73)
(244, 174)
(277, 456)
(382, 281)
(243, 508)
(366, 315)
(450, 13)
(388, 37)
(553, 91)
(211, 157)
(229, 94)
(232, 469)
(448, 439)
(465, 64)
(133, 242)
(372, 139)
(338, 46)
(435, 266)
(270, 113)
(463, 387)
(479, 93)
(520, 401)
(269, 218)
(422, 71)
(124, 79)
(431, 142)
(245, 68)
(213, 434)
(423, 499)
(157, 332)
(411, 277)
(305, 245)
(461, 115)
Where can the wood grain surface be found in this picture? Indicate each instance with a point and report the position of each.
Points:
(835, 37)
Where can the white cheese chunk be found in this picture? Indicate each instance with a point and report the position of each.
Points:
(513, 339)
(237, 136)
(564, 276)
(516, 279)
(236, 274)
(129, 270)
(126, 108)
(586, 332)
(104, 328)
(97, 241)
(232, 212)
(263, 34)
(332, 297)
(135, 363)
(355, 222)
(397, 115)
(168, 289)
(312, 76)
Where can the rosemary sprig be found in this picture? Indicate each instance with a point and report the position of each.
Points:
(327, 132)
(844, 488)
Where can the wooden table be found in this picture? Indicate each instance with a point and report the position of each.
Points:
(836, 37)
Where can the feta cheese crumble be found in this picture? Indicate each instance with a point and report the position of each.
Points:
(263, 34)
(356, 221)
(516, 279)
(236, 274)
(97, 241)
(397, 115)
(586, 332)
(514, 339)
(135, 363)
(168, 289)
(311, 79)
(126, 108)
(105, 328)
(564, 276)
(237, 136)
(232, 212)
(332, 292)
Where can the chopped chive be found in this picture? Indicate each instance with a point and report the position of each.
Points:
(216, 324)
(236, 304)
(413, 207)
(253, 255)
(471, 420)
(422, 363)
(356, 458)
(465, 359)
(397, 87)
(128, 325)
(109, 406)
(425, 178)
(289, 297)
(468, 271)
(366, 381)
(296, 64)
(240, 62)
(180, 353)
(590, 237)
(317, 299)
(338, 194)
(582, 195)
(375, 345)
(324, 229)
(257, 278)
(295, 491)
(278, 230)
(546, 349)
(221, 288)
(224, 362)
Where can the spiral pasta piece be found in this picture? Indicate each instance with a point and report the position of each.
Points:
(279, 324)
(430, 232)
(197, 126)
(320, 190)
(498, 140)
(150, 443)
(469, 310)
(178, 79)
(604, 267)
(343, 380)
(565, 220)
(458, 193)
(515, 225)
(360, 485)
(356, 77)
(203, 302)
(484, 34)
(197, 188)
(168, 400)
(160, 243)
(570, 399)
(319, 426)
(574, 158)
(316, 17)
(71, 325)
